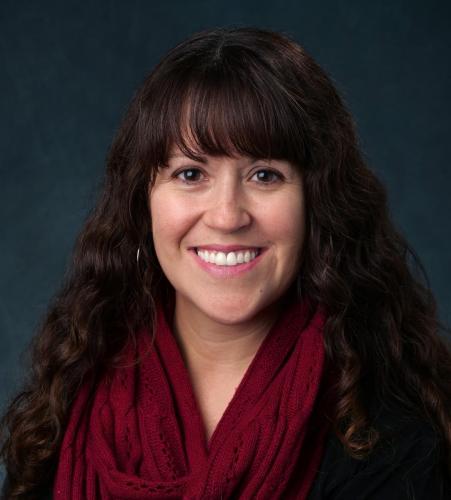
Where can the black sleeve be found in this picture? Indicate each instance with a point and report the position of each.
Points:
(408, 466)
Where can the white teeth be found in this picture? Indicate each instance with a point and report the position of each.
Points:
(220, 259)
(229, 259)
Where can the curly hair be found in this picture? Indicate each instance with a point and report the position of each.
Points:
(257, 93)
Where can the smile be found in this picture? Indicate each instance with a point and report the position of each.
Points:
(229, 258)
(222, 264)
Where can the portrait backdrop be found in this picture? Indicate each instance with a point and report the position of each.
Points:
(69, 69)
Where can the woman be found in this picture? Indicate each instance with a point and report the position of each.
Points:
(241, 319)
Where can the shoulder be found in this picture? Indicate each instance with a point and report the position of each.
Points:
(406, 464)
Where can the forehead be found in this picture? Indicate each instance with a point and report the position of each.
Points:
(188, 148)
(291, 170)
(176, 153)
(203, 131)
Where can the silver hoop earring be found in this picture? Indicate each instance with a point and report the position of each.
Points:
(137, 254)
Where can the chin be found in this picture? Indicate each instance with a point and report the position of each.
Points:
(229, 311)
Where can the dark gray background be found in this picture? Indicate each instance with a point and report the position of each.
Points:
(68, 70)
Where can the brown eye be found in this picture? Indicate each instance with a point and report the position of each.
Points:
(267, 176)
(188, 175)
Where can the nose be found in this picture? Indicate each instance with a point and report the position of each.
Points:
(227, 211)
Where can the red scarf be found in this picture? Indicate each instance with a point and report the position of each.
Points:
(142, 435)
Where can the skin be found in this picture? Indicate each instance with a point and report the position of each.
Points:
(220, 322)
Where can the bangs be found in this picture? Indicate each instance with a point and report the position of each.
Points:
(223, 110)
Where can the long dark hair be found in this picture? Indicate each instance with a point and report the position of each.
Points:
(256, 93)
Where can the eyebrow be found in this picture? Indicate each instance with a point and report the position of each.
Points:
(203, 159)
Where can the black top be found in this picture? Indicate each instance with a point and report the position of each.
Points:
(406, 465)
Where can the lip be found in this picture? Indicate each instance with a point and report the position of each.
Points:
(226, 248)
(227, 271)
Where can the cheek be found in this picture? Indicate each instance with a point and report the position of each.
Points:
(170, 217)
(285, 220)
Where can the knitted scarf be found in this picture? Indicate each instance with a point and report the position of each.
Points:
(141, 435)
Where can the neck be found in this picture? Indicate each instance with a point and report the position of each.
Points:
(213, 347)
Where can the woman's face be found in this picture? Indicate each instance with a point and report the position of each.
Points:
(229, 208)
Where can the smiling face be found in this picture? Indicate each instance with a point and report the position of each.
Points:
(224, 203)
